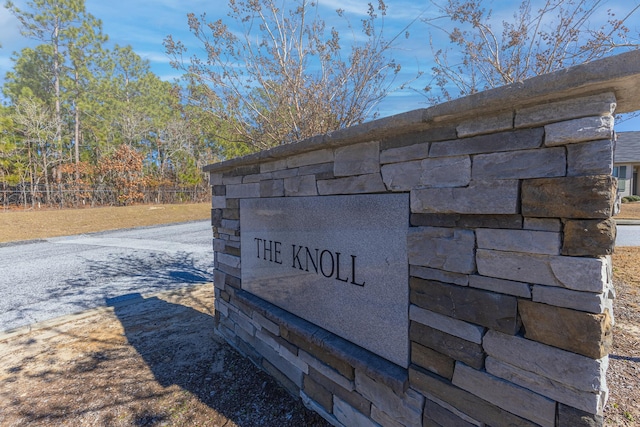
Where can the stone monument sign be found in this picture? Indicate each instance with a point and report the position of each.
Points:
(445, 266)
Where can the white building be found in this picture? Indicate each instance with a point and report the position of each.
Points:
(626, 162)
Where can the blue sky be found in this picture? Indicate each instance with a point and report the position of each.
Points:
(143, 24)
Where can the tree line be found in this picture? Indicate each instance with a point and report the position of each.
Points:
(86, 121)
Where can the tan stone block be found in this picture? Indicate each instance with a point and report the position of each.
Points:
(318, 393)
(581, 197)
(589, 237)
(576, 331)
(432, 360)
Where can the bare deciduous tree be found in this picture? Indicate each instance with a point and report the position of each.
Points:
(542, 36)
(286, 76)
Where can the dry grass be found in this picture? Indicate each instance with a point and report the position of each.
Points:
(623, 376)
(629, 211)
(40, 224)
(155, 362)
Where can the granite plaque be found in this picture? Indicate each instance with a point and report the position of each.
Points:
(339, 262)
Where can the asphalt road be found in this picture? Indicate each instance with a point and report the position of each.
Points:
(64, 275)
(628, 235)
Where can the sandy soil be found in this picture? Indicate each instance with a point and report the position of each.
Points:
(623, 376)
(152, 362)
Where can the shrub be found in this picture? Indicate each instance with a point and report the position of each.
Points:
(627, 199)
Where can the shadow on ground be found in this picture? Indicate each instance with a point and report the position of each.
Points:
(178, 345)
(151, 361)
(115, 277)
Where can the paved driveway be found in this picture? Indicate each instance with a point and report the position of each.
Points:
(64, 275)
(628, 235)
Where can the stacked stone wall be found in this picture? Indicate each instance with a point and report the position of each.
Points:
(510, 287)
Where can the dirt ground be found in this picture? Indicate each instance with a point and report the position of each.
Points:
(151, 362)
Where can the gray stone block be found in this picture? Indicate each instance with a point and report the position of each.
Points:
(504, 141)
(442, 248)
(285, 173)
(289, 385)
(542, 224)
(215, 179)
(316, 407)
(349, 416)
(406, 409)
(587, 401)
(310, 158)
(432, 360)
(564, 367)
(272, 166)
(538, 163)
(383, 419)
(449, 345)
(480, 197)
(329, 372)
(218, 202)
(272, 188)
(266, 323)
(578, 130)
(437, 416)
(583, 301)
(470, 404)
(358, 159)
(318, 393)
(491, 124)
(489, 309)
(297, 186)
(568, 416)
(580, 274)
(438, 275)
(219, 190)
(449, 325)
(361, 184)
(354, 399)
(426, 135)
(248, 179)
(528, 241)
(289, 370)
(231, 179)
(405, 154)
(502, 286)
(321, 169)
(243, 191)
(594, 105)
(506, 395)
(590, 158)
(428, 173)
(230, 260)
(467, 221)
